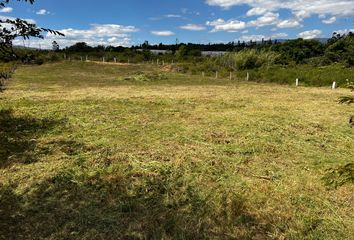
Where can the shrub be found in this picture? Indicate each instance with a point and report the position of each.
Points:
(248, 59)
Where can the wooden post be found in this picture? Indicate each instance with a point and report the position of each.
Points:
(115, 60)
(216, 75)
(248, 76)
(103, 60)
(334, 85)
(230, 76)
(297, 82)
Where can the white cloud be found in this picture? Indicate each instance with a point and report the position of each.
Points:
(173, 16)
(289, 23)
(279, 35)
(97, 34)
(259, 37)
(267, 19)
(256, 11)
(302, 14)
(330, 20)
(42, 12)
(271, 18)
(6, 10)
(193, 27)
(163, 33)
(228, 26)
(248, 38)
(344, 31)
(302, 8)
(310, 34)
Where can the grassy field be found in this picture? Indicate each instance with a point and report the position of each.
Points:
(93, 151)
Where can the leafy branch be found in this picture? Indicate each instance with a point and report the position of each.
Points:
(11, 29)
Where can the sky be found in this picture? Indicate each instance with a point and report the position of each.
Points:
(126, 23)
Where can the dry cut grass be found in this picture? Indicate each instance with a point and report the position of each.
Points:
(89, 152)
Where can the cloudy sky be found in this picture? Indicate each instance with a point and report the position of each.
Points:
(112, 22)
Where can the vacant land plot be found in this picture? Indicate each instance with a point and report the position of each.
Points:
(92, 151)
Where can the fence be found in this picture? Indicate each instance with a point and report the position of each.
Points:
(232, 75)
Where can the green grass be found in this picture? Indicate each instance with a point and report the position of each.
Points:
(93, 151)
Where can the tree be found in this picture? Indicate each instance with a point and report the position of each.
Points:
(11, 29)
(55, 46)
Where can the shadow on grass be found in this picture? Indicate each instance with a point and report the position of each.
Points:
(18, 137)
(76, 205)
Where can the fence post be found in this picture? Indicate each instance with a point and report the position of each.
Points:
(103, 60)
(157, 62)
(81, 59)
(230, 76)
(115, 60)
(64, 56)
(297, 82)
(248, 76)
(216, 75)
(334, 85)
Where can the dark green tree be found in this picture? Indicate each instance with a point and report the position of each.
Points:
(55, 46)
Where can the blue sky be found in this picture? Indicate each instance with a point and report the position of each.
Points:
(199, 21)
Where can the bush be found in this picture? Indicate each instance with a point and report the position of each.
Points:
(248, 59)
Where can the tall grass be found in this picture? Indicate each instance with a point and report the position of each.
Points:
(6, 71)
(248, 59)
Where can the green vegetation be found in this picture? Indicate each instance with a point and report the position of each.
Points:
(104, 151)
(6, 71)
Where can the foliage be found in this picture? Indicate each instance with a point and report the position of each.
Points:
(6, 71)
(185, 51)
(337, 177)
(298, 50)
(341, 49)
(248, 59)
(12, 29)
(55, 46)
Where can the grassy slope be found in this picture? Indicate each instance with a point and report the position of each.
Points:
(87, 155)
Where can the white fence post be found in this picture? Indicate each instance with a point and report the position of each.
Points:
(334, 85)
(248, 76)
(115, 60)
(297, 82)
